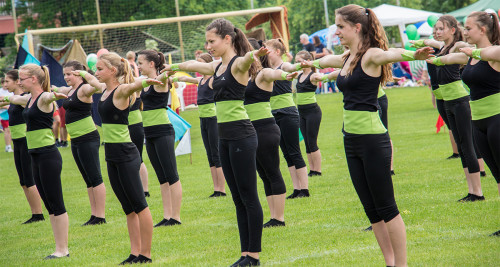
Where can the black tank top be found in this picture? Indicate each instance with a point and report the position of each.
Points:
(482, 79)
(306, 85)
(432, 70)
(16, 118)
(360, 90)
(77, 110)
(153, 100)
(136, 105)
(255, 95)
(37, 120)
(205, 94)
(448, 73)
(281, 87)
(226, 88)
(111, 115)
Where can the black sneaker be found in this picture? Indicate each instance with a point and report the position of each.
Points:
(497, 233)
(146, 194)
(172, 222)
(274, 223)
(454, 156)
(50, 257)
(466, 198)
(58, 144)
(129, 260)
(476, 198)
(392, 173)
(238, 261)
(295, 193)
(214, 194)
(64, 144)
(249, 261)
(89, 221)
(141, 259)
(483, 174)
(162, 223)
(97, 221)
(35, 218)
(368, 229)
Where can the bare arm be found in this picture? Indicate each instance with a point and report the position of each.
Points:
(329, 61)
(316, 77)
(47, 99)
(126, 90)
(269, 75)
(193, 66)
(333, 75)
(491, 53)
(452, 58)
(187, 79)
(458, 45)
(88, 90)
(17, 99)
(93, 81)
(242, 64)
(63, 89)
(380, 57)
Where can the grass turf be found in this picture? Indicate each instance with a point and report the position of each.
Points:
(323, 230)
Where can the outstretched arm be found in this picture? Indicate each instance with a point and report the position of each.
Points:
(16, 99)
(126, 90)
(269, 75)
(186, 79)
(93, 81)
(381, 57)
(491, 53)
(329, 61)
(452, 58)
(193, 66)
(47, 99)
(63, 89)
(333, 75)
(242, 64)
(428, 42)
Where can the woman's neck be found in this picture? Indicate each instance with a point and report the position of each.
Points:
(206, 77)
(151, 74)
(484, 42)
(112, 85)
(354, 47)
(226, 58)
(306, 71)
(276, 62)
(76, 85)
(18, 91)
(36, 91)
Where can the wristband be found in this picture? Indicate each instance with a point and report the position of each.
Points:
(6, 98)
(83, 73)
(298, 67)
(408, 55)
(418, 44)
(54, 96)
(284, 74)
(144, 83)
(476, 53)
(251, 55)
(174, 67)
(437, 61)
(316, 64)
(325, 79)
(175, 79)
(55, 89)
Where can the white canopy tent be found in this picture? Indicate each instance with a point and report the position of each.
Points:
(390, 15)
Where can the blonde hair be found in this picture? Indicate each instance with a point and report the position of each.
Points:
(123, 71)
(40, 72)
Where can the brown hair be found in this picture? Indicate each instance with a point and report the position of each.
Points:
(373, 35)
(490, 22)
(13, 75)
(316, 40)
(206, 57)
(240, 43)
(123, 70)
(451, 23)
(307, 56)
(276, 44)
(75, 65)
(40, 72)
(154, 56)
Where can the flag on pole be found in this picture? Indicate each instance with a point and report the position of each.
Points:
(184, 146)
(175, 103)
(439, 124)
(182, 133)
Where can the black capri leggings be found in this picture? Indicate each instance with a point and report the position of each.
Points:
(210, 136)
(268, 158)
(310, 120)
(161, 153)
(459, 117)
(442, 111)
(23, 162)
(86, 155)
(137, 136)
(369, 162)
(383, 102)
(238, 164)
(289, 142)
(47, 168)
(487, 136)
(126, 183)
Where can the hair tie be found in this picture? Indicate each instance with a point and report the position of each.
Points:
(260, 43)
(235, 30)
(366, 11)
(122, 59)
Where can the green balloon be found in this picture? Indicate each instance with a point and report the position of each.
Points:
(408, 47)
(432, 19)
(411, 31)
(91, 61)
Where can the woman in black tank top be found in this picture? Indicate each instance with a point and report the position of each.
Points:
(85, 141)
(22, 159)
(237, 137)
(481, 75)
(45, 158)
(368, 151)
(121, 154)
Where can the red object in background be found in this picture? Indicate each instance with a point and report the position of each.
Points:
(439, 124)
(190, 94)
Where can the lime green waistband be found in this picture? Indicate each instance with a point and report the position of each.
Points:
(485, 107)
(259, 111)
(437, 94)
(155, 117)
(207, 110)
(134, 117)
(306, 98)
(231, 110)
(40, 138)
(282, 101)
(18, 131)
(363, 122)
(81, 127)
(116, 133)
(381, 92)
(453, 90)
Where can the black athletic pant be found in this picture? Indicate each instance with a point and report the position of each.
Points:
(238, 164)
(487, 136)
(86, 155)
(137, 136)
(161, 153)
(310, 120)
(126, 183)
(210, 136)
(442, 111)
(289, 142)
(383, 102)
(268, 158)
(22, 160)
(369, 162)
(459, 117)
(47, 168)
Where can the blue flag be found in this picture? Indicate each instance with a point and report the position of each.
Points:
(180, 125)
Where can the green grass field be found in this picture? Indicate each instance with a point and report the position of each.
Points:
(323, 230)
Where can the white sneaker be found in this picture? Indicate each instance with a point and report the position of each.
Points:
(8, 149)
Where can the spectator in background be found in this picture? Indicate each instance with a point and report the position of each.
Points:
(319, 49)
(306, 45)
(133, 66)
(5, 123)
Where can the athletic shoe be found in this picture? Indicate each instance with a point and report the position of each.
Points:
(97, 221)
(295, 193)
(483, 174)
(466, 198)
(58, 144)
(392, 173)
(50, 257)
(454, 156)
(303, 193)
(64, 144)
(172, 222)
(8, 149)
(368, 229)
(35, 218)
(141, 259)
(497, 233)
(249, 261)
(129, 260)
(146, 194)
(92, 217)
(215, 194)
(238, 261)
(476, 198)
(162, 223)
(274, 223)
